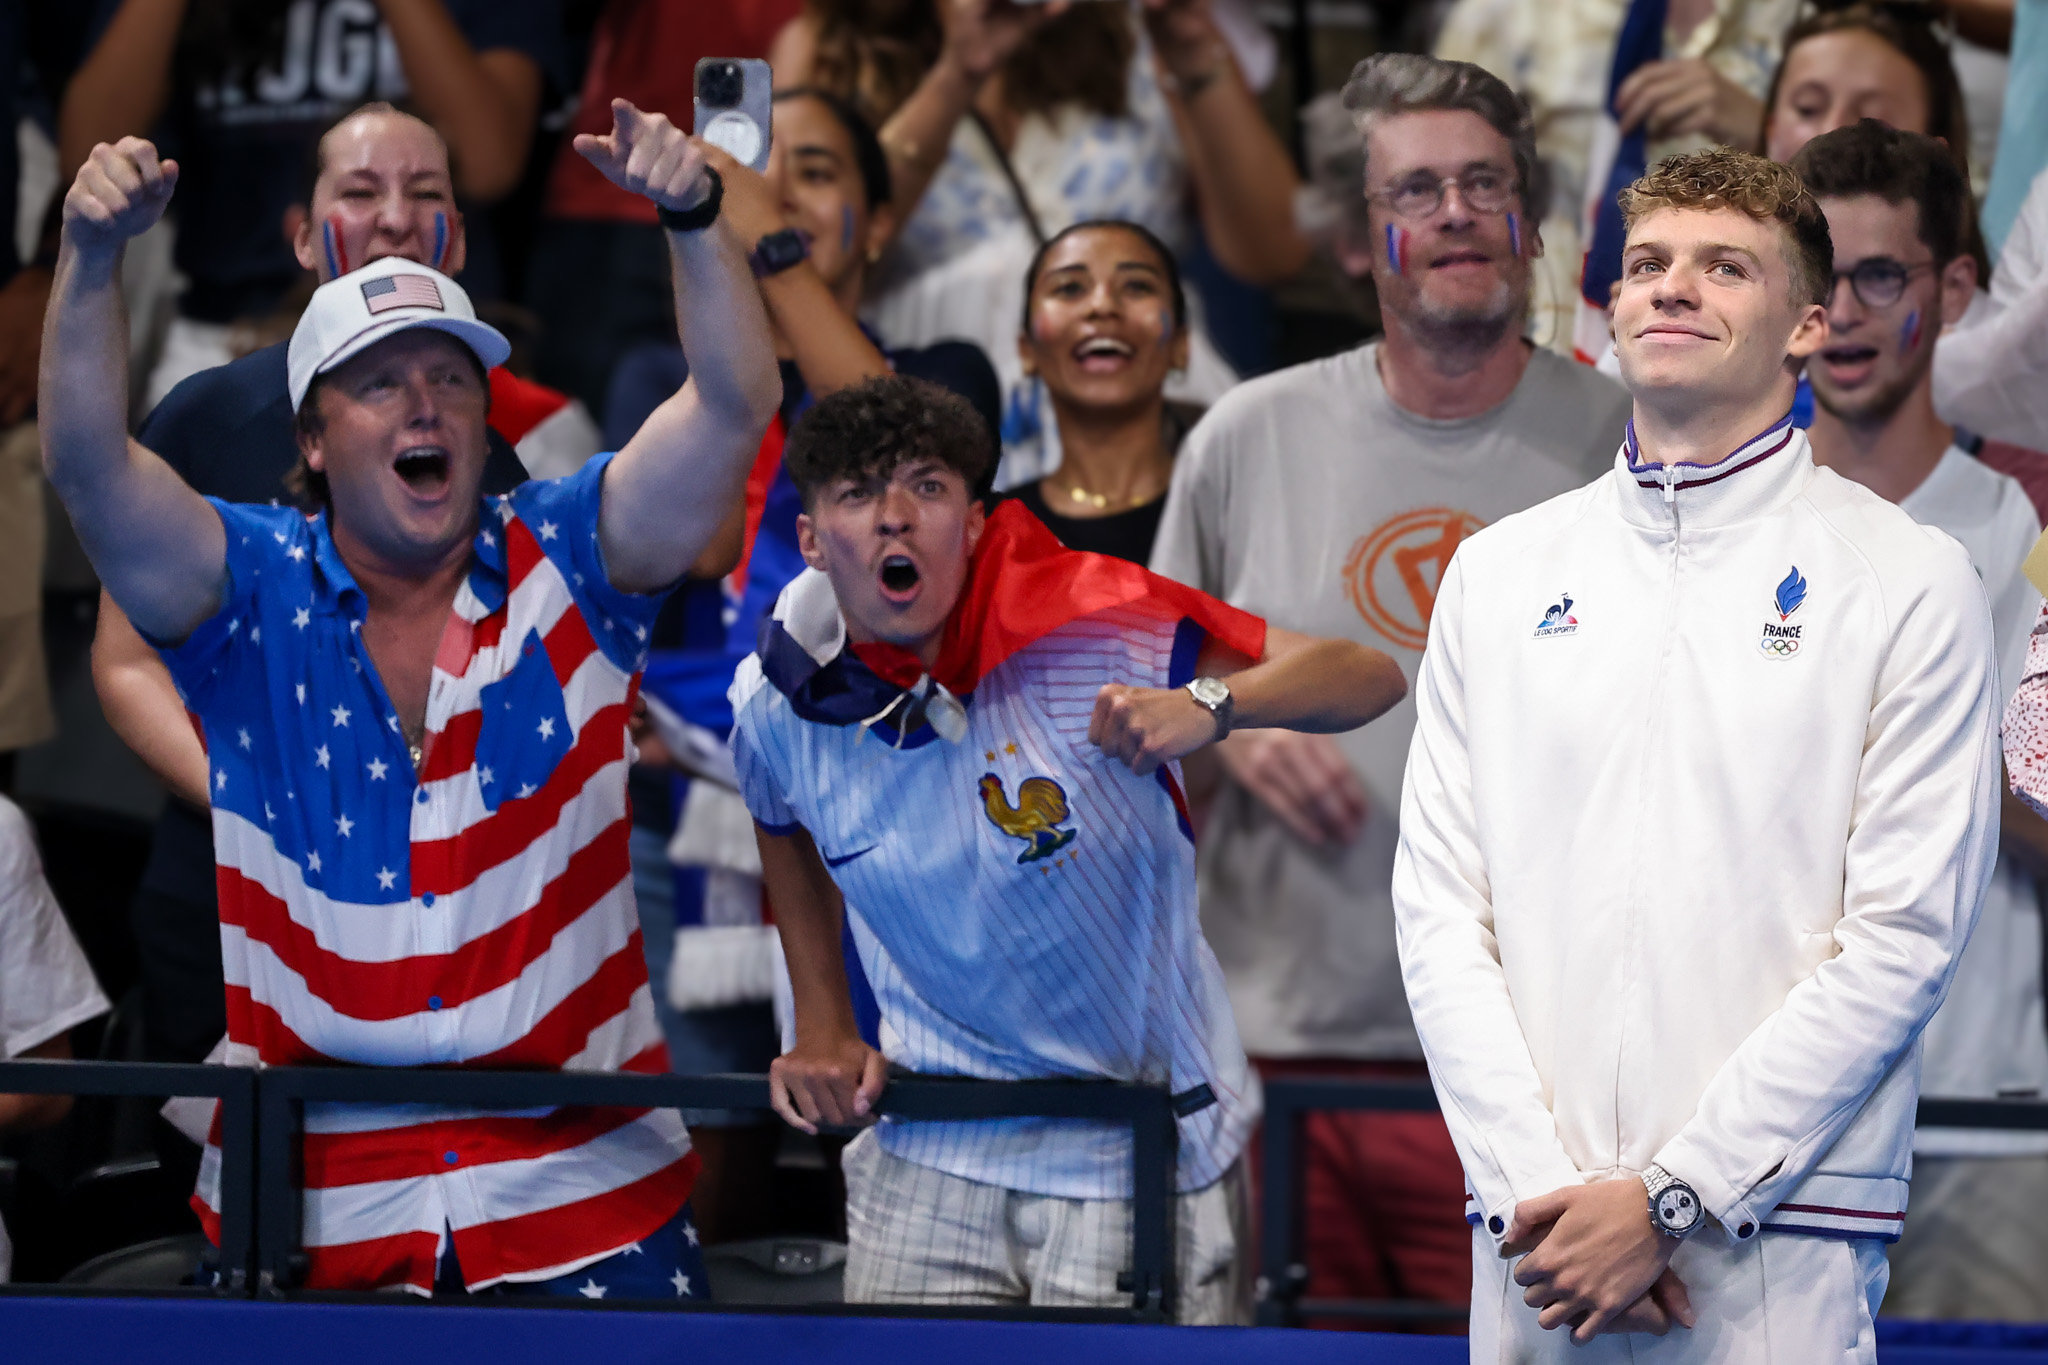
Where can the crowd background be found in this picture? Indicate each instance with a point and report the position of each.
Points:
(959, 161)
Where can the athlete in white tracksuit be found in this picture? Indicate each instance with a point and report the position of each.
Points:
(1699, 811)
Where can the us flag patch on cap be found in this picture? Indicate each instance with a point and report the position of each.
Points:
(402, 291)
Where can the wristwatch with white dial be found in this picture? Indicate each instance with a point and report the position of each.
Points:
(1214, 694)
(1675, 1208)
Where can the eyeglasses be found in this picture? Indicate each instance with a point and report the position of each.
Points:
(1879, 281)
(1485, 189)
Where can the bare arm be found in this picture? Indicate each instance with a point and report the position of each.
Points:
(142, 705)
(674, 485)
(831, 1076)
(123, 84)
(157, 546)
(1302, 682)
(822, 337)
(25, 1113)
(979, 35)
(1244, 179)
(483, 103)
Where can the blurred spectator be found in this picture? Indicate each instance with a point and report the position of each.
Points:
(46, 988)
(1023, 122)
(1877, 61)
(1105, 324)
(598, 276)
(1330, 498)
(244, 88)
(1898, 209)
(382, 187)
(810, 221)
(1988, 370)
(1558, 56)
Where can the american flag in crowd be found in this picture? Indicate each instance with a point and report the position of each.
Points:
(402, 291)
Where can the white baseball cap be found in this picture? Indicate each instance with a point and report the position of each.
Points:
(355, 311)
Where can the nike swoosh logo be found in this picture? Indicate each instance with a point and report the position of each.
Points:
(843, 861)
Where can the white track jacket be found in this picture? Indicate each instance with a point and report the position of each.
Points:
(1698, 815)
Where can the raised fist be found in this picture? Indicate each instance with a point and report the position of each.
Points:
(120, 193)
(649, 156)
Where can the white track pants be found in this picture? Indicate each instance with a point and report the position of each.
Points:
(1782, 1299)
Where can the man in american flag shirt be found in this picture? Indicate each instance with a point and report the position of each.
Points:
(973, 735)
(414, 705)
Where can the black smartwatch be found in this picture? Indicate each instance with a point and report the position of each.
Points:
(778, 251)
(700, 215)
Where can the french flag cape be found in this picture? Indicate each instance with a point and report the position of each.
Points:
(1616, 161)
(1022, 585)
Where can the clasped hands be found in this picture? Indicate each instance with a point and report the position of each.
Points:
(1591, 1261)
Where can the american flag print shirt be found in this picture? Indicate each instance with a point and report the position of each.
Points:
(480, 916)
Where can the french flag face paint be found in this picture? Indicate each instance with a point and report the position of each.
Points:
(1515, 234)
(440, 239)
(1397, 248)
(1909, 332)
(337, 249)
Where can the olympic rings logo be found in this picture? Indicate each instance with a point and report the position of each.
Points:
(1778, 648)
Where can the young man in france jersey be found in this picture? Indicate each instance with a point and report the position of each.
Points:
(414, 705)
(1700, 810)
(965, 738)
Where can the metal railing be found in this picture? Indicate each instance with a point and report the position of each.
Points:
(262, 1123)
(1283, 1283)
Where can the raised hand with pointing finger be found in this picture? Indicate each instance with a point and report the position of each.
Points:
(120, 192)
(649, 156)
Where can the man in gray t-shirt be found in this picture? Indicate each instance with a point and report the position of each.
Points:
(1329, 499)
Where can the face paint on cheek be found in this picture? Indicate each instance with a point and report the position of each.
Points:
(337, 250)
(1515, 234)
(440, 239)
(1909, 332)
(1397, 249)
(845, 227)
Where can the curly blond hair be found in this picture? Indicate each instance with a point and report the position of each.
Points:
(1724, 178)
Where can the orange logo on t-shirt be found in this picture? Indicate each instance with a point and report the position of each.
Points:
(1392, 572)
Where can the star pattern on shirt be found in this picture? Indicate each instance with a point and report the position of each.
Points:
(243, 736)
(297, 552)
(526, 789)
(342, 826)
(690, 1233)
(633, 1249)
(220, 780)
(488, 538)
(547, 530)
(322, 757)
(591, 1289)
(301, 690)
(378, 767)
(386, 879)
(302, 618)
(682, 1284)
(547, 727)
(312, 862)
(341, 715)
(255, 634)
(484, 777)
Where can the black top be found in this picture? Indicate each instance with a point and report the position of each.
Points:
(1126, 535)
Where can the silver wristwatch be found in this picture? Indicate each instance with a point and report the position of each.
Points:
(1675, 1207)
(1214, 694)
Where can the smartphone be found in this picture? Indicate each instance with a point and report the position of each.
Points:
(734, 97)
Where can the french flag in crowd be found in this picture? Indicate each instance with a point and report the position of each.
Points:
(1617, 160)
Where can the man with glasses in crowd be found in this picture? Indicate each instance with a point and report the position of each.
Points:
(1898, 210)
(1329, 498)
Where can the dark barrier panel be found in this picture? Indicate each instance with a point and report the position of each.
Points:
(1284, 1278)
